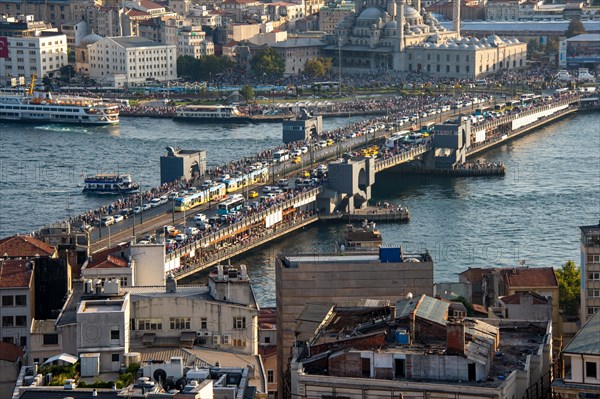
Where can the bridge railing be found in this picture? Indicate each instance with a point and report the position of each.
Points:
(241, 225)
(237, 248)
(399, 158)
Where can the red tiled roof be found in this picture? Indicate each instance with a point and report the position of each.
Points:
(150, 5)
(24, 247)
(531, 277)
(109, 258)
(15, 273)
(240, 1)
(515, 299)
(267, 316)
(10, 352)
(479, 308)
(137, 13)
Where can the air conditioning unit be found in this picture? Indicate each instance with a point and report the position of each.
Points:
(216, 340)
(227, 339)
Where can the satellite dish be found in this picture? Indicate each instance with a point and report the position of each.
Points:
(159, 375)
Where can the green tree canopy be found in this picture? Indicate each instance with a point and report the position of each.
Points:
(202, 68)
(569, 283)
(247, 92)
(317, 67)
(267, 63)
(575, 28)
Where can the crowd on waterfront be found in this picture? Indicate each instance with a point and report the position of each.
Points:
(409, 105)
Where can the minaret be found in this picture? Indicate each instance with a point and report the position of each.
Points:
(419, 6)
(400, 24)
(456, 17)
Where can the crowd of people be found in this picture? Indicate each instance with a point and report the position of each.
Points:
(409, 106)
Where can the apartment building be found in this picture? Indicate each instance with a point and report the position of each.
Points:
(17, 300)
(131, 60)
(590, 271)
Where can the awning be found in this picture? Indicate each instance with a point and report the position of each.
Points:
(63, 357)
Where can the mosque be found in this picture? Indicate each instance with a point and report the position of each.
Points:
(369, 41)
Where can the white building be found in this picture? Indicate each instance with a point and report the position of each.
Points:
(131, 60)
(38, 54)
(108, 320)
(191, 41)
(581, 364)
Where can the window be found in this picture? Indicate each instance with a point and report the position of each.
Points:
(239, 323)
(270, 376)
(203, 323)
(20, 300)
(267, 340)
(594, 276)
(591, 370)
(115, 357)
(593, 259)
(180, 323)
(591, 310)
(20, 321)
(50, 339)
(7, 300)
(114, 334)
(8, 321)
(594, 293)
(149, 324)
(9, 340)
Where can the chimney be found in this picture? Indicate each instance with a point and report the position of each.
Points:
(171, 284)
(455, 331)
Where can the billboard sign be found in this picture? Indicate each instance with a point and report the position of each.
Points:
(3, 47)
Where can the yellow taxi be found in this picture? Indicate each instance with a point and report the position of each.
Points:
(252, 194)
(329, 142)
(305, 173)
(296, 160)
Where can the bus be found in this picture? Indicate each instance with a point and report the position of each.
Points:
(217, 192)
(416, 138)
(235, 203)
(190, 201)
(281, 156)
(511, 104)
(395, 139)
(427, 127)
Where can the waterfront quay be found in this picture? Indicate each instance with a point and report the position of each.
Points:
(298, 208)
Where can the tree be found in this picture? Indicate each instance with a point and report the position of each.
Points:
(569, 283)
(201, 68)
(267, 63)
(247, 92)
(575, 28)
(317, 67)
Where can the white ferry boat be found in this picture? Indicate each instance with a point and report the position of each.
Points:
(109, 184)
(211, 114)
(46, 108)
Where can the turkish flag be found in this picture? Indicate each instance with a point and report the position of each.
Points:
(3, 47)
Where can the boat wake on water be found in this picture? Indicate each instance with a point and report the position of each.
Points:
(62, 128)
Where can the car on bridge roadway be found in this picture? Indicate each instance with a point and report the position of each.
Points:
(253, 194)
(118, 218)
(137, 210)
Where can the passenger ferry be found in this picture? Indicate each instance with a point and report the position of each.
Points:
(46, 108)
(211, 114)
(109, 184)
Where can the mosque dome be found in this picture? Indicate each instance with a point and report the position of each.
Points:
(494, 40)
(443, 45)
(91, 38)
(410, 12)
(434, 38)
(390, 25)
(370, 13)
(416, 30)
(464, 45)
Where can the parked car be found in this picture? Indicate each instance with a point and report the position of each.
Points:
(154, 202)
(192, 231)
(107, 221)
(200, 218)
